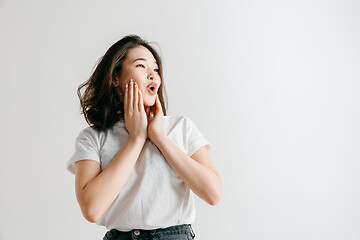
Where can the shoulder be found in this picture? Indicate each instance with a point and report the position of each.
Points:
(89, 131)
(180, 122)
(177, 120)
(92, 134)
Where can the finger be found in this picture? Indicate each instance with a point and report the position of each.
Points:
(147, 114)
(125, 98)
(141, 104)
(136, 94)
(153, 107)
(131, 96)
(158, 104)
(152, 110)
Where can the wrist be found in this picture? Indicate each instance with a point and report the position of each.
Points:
(137, 140)
(157, 136)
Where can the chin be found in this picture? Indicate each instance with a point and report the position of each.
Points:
(149, 103)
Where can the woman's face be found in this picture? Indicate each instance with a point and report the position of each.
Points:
(140, 66)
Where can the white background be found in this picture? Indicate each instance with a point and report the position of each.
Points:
(273, 85)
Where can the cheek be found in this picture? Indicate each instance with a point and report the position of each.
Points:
(126, 72)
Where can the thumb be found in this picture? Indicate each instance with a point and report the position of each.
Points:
(147, 111)
(158, 104)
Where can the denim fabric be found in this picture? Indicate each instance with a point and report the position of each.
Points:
(178, 232)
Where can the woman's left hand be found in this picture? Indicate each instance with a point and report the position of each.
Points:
(155, 126)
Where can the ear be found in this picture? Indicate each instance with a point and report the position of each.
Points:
(116, 82)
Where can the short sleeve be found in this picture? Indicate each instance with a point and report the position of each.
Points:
(86, 148)
(194, 138)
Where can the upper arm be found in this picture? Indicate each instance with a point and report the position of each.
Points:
(85, 171)
(202, 156)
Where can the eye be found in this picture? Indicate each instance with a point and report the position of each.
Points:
(157, 70)
(140, 65)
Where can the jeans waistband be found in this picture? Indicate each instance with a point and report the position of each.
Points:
(141, 233)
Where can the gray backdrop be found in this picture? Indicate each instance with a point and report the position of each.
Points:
(274, 85)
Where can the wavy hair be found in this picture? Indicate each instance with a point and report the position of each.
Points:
(101, 105)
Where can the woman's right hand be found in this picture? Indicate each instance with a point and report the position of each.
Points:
(134, 112)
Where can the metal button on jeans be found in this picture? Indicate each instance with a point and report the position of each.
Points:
(137, 232)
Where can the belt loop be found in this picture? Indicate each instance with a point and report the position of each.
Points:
(191, 231)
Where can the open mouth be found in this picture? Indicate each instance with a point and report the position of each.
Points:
(152, 88)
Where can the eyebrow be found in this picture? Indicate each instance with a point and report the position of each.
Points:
(143, 59)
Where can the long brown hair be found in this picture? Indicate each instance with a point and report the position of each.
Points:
(100, 103)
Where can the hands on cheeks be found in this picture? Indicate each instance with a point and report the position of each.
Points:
(138, 121)
(155, 125)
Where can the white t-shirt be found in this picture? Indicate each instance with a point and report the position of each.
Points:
(154, 195)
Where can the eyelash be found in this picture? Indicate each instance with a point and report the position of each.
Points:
(156, 70)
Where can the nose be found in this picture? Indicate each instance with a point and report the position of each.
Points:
(150, 76)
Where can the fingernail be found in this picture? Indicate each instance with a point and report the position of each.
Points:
(135, 83)
(131, 80)
(126, 85)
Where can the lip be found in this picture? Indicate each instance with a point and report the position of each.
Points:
(155, 86)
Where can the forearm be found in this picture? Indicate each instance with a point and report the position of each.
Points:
(203, 181)
(100, 193)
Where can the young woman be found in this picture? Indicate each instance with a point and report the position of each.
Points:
(136, 168)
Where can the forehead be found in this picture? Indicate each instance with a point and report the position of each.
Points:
(140, 52)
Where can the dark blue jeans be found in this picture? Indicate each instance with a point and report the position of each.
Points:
(178, 232)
